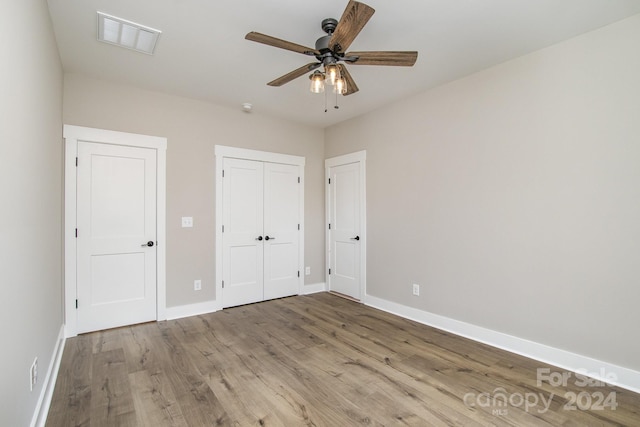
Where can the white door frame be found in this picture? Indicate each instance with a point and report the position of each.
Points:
(73, 134)
(357, 157)
(222, 151)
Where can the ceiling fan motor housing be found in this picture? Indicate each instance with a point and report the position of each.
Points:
(322, 44)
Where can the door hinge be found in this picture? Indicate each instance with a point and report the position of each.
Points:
(223, 284)
(298, 227)
(298, 180)
(329, 226)
(76, 161)
(76, 304)
(329, 180)
(223, 173)
(76, 233)
(329, 271)
(223, 228)
(298, 273)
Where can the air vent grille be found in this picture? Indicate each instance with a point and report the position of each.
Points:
(127, 34)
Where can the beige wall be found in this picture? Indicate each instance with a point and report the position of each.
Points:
(513, 196)
(31, 198)
(193, 128)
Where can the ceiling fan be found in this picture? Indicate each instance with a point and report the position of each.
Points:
(330, 52)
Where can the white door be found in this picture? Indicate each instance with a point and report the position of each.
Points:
(345, 233)
(242, 237)
(116, 236)
(281, 228)
(261, 231)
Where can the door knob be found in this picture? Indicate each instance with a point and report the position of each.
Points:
(269, 238)
(259, 238)
(355, 238)
(149, 243)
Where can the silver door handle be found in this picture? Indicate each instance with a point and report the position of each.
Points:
(269, 238)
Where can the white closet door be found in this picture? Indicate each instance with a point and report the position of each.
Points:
(243, 253)
(281, 223)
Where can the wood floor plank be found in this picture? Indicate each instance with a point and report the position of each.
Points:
(220, 377)
(111, 400)
(274, 367)
(71, 405)
(316, 360)
(154, 401)
(192, 393)
(136, 343)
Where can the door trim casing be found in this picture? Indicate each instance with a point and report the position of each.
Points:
(72, 134)
(221, 152)
(361, 158)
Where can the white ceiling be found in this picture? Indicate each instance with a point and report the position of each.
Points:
(202, 52)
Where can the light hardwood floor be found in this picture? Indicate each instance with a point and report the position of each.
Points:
(316, 360)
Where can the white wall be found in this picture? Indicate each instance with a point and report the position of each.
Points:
(512, 196)
(31, 198)
(193, 128)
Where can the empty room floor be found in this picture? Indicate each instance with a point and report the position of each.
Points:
(316, 360)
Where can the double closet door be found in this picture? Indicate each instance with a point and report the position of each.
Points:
(261, 231)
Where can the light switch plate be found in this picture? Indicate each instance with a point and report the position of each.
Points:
(187, 221)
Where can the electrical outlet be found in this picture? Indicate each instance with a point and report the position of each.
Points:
(197, 285)
(307, 271)
(187, 221)
(416, 289)
(33, 374)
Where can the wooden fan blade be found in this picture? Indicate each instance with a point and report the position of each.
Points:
(353, 19)
(352, 87)
(402, 59)
(282, 44)
(295, 74)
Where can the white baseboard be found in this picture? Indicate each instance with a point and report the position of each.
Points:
(196, 309)
(46, 393)
(314, 288)
(597, 369)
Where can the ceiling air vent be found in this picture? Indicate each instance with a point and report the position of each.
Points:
(127, 34)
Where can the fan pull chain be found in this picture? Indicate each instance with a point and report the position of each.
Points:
(325, 101)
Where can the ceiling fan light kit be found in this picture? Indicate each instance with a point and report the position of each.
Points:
(330, 52)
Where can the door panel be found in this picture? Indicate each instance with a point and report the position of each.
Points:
(116, 211)
(117, 278)
(242, 268)
(344, 217)
(281, 220)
